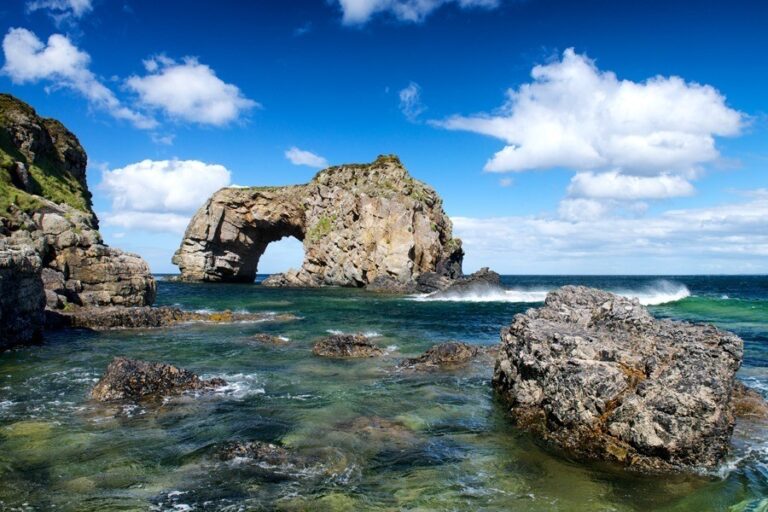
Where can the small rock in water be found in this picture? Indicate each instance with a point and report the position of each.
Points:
(598, 375)
(256, 451)
(346, 345)
(748, 403)
(270, 339)
(452, 353)
(482, 281)
(131, 379)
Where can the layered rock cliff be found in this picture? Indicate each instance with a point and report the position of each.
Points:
(360, 223)
(45, 206)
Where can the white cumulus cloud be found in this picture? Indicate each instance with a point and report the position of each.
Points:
(189, 91)
(410, 101)
(575, 116)
(160, 195)
(727, 238)
(301, 157)
(358, 12)
(61, 64)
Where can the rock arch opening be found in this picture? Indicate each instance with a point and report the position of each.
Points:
(281, 256)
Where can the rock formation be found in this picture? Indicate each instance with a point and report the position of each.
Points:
(452, 353)
(346, 346)
(358, 223)
(45, 204)
(21, 295)
(482, 281)
(130, 379)
(597, 375)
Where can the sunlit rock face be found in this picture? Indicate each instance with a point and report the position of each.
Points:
(358, 223)
(45, 204)
(599, 376)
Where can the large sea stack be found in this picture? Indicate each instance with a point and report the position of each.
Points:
(360, 224)
(45, 207)
(597, 375)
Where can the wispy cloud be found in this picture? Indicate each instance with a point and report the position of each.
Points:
(61, 10)
(301, 157)
(410, 102)
(358, 12)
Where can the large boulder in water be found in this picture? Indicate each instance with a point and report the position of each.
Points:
(481, 282)
(131, 379)
(597, 375)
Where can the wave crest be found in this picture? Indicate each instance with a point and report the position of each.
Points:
(659, 292)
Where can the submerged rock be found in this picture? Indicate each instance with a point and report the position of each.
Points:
(748, 403)
(270, 339)
(131, 379)
(359, 223)
(22, 297)
(596, 374)
(257, 451)
(452, 353)
(346, 346)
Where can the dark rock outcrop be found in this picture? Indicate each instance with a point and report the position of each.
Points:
(22, 297)
(452, 353)
(346, 346)
(358, 223)
(146, 317)
(270, 339)
(482, 281)
(131, 379)
(597, 375)
(45, 204)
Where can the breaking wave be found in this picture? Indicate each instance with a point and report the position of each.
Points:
(659, 292)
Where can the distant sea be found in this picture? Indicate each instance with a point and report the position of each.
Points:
(380, 439)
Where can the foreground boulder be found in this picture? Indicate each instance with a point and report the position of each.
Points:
(346, 346)
(359, 223)
(22, 297)
(452, 353)
(597, 375)
(131, 379)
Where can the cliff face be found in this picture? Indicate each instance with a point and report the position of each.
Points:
(358, 223)
(45, 205)
(21, 296)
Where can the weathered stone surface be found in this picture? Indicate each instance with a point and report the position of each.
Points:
(748, 403)
(146, 317)
(22, 296)
(358, 223)
(131, 379)
(452, 353)
(270, 339)
(45, 204)
(597, 375)
(346, 346)
(482, 281)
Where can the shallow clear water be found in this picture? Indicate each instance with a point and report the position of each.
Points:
(448, 446)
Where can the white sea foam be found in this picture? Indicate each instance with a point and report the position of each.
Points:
(367, 334)
(660, 292)
(240, 385)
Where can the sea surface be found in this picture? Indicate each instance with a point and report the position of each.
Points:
(376, 438)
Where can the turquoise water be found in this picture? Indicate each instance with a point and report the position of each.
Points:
(379, 439)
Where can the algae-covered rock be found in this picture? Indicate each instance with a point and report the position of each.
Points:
(346, 346)
(130, 379)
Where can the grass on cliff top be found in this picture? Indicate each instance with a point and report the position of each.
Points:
(47, 181)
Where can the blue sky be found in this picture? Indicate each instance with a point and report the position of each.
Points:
(634, 139)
